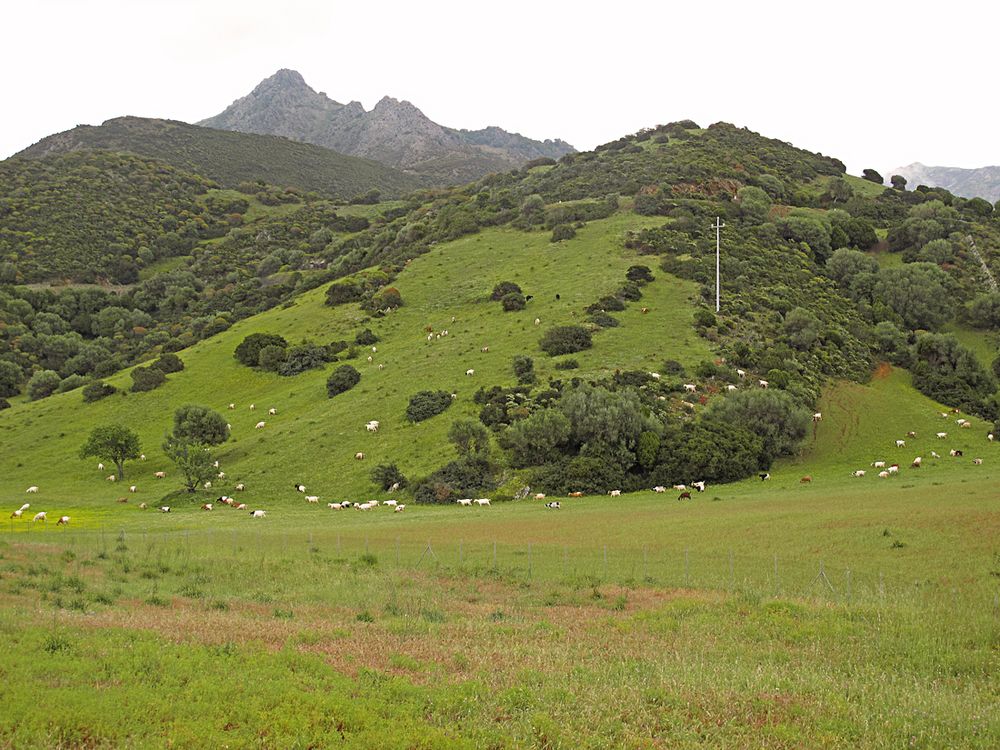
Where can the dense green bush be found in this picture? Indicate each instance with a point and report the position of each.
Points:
(385, 476)
(567, 364)
(248, 350)
(344, 291)
(168, 363)
(10, 378)
(708, 450)
(71, 382)
(565, 340)
(304, 357)
(366, 338)
(513, 301)
(562, 232)
(342, 379)
(587, 474)
(465, 477)
(771, 414)
(272, 358)
(524, 369)
(603, 320)
(504, 288)
(97, 391)
(639, 274)
(426, 404)
(950, 373)
(43, 384)
(147, 378)
(200, 425)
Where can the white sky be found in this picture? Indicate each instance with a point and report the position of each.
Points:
(877, 84)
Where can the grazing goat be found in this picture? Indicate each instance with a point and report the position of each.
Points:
(540, 496)
(40, 516)
(100, 467)
(359, 456)
(143, 506)
(164, 509)
(111, 478)
(700, 486)
(763, 383)
(741, 373)
(878, 464)
(911, 434)
(372, 426)
(312, 498)
(240, 487)
(272, 411)
(260, 425)
(484, 349)
(467, 501)
(615, 493)
(142, 456)
(934, 454)
(690, 387)
(654, 375)
(300, 487)
(684, 496)
(63, 521)
(133, 488)
(680, 487)
(481, 501)
(858, 473)
(32, 488)
(554, 505)
(232, 406)
(538, 321)
(893, 469)
(764, 477)
(399, 509)
(883, 475)
(731, 387)
(806, 479)
(206, 506)
(470, 372)
(942, 435)
(160, 474)
(659, 489)
(977, 461)
(900, 443)
(258, 513)
(253, 407)
(17, 514)
(916, 463)
(818, 416)
(576, 494)
(241, 506)
(954, 452)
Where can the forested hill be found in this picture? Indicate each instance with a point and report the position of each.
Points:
(232, 158)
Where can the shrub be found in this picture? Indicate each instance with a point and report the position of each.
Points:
(272, 357)
(630, 292)
(366, 338)
(587, 474)
(385, 475)
(71, 383)
(704, 318)
(565, 340)
(200, 425)
(639, 274)
(426, 404)
(672, 367)
(334, 348)
(605, 304)
(344, 291)
(342, 379)
(524, 369)
(772, 415)
(567, 364)
(513, 302)
(43, 384)
(563, 232)
(603, 320)
(388, 299)
(248, 351)
(147, 378)
(4, 404)
(97, 391)
(502, 289)
(304, 357)
(464, 477)
(168, 363)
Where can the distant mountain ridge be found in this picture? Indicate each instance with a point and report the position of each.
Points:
(394, 132)
(231, 158)
(983, 182)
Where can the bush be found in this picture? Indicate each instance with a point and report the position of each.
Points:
(772, 415)
(462, 478)
(629, 292)
(71, 383)
(97, 391)
(672, 367)
(342, 379)
(200, 425)
(524, 369)
(587, 474)
(303, 357)
(388, 299)
(513, 302)
(385, 475)
(248, 351)
(567, 364)
(4, 404)
(502, 289)
(607, 304)
(704, 318)
(147, 378)
(272, 357)
(366, 338)
(43, 384)
(168, 363)
(565, 340)
(562, 232)
(603, 320)
(639, 274)
(426, 404)
(344, 291)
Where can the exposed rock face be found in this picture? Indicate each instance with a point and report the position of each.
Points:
(983, 182)
(394, 132)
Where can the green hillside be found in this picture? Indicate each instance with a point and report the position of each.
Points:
(231, 158)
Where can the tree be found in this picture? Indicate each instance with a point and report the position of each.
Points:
(773, 415)
(802, 328)
(192, 459)
(169, 363)
(504, 288)
(845, 264)
(513, 301)
(920, 293)
(147, 378)
(114, 443)
(43, 384)
(536, 439)
(898, 182)
(426, 404)
(524, 369)
(199, 424)
(342, 379)
(10, 379)
(562, 232)
(872, 176)
(469, 438)
(754, 202)
(248, 351)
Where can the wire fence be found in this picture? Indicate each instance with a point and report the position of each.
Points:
(763, 574)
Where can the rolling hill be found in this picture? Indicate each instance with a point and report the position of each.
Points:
(393, 132)
(231, 158)
(982, 182)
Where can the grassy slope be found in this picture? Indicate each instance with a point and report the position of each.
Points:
(556, 647)
(313, 439)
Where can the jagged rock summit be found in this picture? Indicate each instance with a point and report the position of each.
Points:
(393, 132)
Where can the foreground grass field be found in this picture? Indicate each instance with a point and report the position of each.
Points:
(843, 612)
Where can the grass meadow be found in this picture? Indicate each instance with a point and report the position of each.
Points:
(839, 613)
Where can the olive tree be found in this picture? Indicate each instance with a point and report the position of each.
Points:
(113, 443)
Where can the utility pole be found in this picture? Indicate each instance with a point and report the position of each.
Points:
(718, 226)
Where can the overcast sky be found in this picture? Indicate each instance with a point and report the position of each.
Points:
(876, 83)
